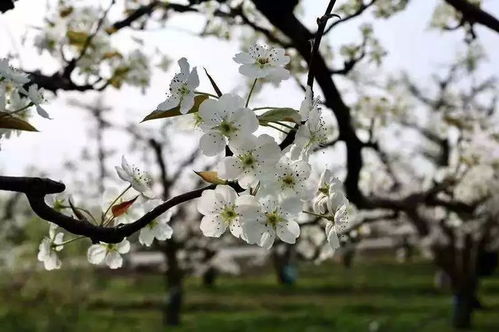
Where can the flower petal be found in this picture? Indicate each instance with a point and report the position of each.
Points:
(212, 226)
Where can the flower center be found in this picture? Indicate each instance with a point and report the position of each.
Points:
(228, 214)
(226, 128)
(184, 90)
(324, 189)
(288, 181)
(273, 218)
(262, 62)
(247, 160)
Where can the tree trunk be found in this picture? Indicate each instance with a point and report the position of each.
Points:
(284, 266)
(462, 310)
(209, 277)
(174, 276)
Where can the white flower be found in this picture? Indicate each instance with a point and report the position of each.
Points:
(109, 253)
(263, 62)
(139, 180)
(158, 228)
(253, 159)
(276, 218)
(290, 179)
(36, 96)
(49, 247)
(222, 208)
(182, 89)
(15, 76)
(336, 226)
(224, 119)
(329, 194)
(311, 134)
(308, 104)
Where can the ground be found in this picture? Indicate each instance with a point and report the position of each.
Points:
(382, 293)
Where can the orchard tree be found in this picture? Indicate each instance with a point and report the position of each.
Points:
(260, 188)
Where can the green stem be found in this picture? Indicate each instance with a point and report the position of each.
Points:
(115, 200)
(18, 111)
(68, 241)
(277, 128)
(82, 210)
(285, 125)
(206, 93)
(251, 92)
(314, 214)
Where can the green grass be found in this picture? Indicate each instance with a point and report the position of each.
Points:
(326, 298)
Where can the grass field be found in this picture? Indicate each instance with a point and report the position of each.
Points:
(327, 298)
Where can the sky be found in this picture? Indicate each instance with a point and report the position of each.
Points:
(411, 45)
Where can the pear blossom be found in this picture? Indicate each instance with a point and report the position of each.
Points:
(263, 62)
(109, 253)
(225, 119)
(139, 180)
(36, 96)
(311, 134)
(222, 208)
(308, 104)
(47, 251)
(276, 218)
(15, 76)
(289, 179)
(157, 228)
(182, 89)
(254, 157)
(329, 193)
(337, 224)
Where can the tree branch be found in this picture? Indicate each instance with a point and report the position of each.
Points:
(474, 14)
(36, 189)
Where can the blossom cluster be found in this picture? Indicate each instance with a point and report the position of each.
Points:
(16, 99)
(263, 188)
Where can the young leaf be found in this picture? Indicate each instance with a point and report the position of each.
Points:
(215, 86)
(76, 212)
(211, 177)
(280, 114)
(8, 121)
(77, 38)
(122, 208)
(176, 110)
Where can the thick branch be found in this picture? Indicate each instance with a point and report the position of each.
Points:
(472, 14)
(35, 190)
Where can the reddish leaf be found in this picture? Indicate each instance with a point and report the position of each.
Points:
(122, 208)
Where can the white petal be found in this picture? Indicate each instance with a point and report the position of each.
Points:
(229, 168)
(267, 240)
(146, 236)
(184, 66)
(96, 253)
(187, 103)
(332, 238)
(208, 203)
(235, 228)
(123, 247)
(114, 260)
(246, 121)
(170, 103)
(163, 231)
(253, 71)
(193, 81)
(288, 231)
(212, 143)
(212, 226)
(209, 112)
(243, 58)
(126, 167)
(226, 194)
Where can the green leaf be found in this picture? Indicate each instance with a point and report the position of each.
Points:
(176, 110)
(280, 114)
(210, 177)
(8, 121)
(215, 86)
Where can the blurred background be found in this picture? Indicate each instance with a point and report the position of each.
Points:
(419, 81)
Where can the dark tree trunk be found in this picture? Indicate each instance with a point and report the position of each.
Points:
(284, 264)
(174, 276)
(209, 277)
(462, 310)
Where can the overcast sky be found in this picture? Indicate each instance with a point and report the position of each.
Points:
(412, 47)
